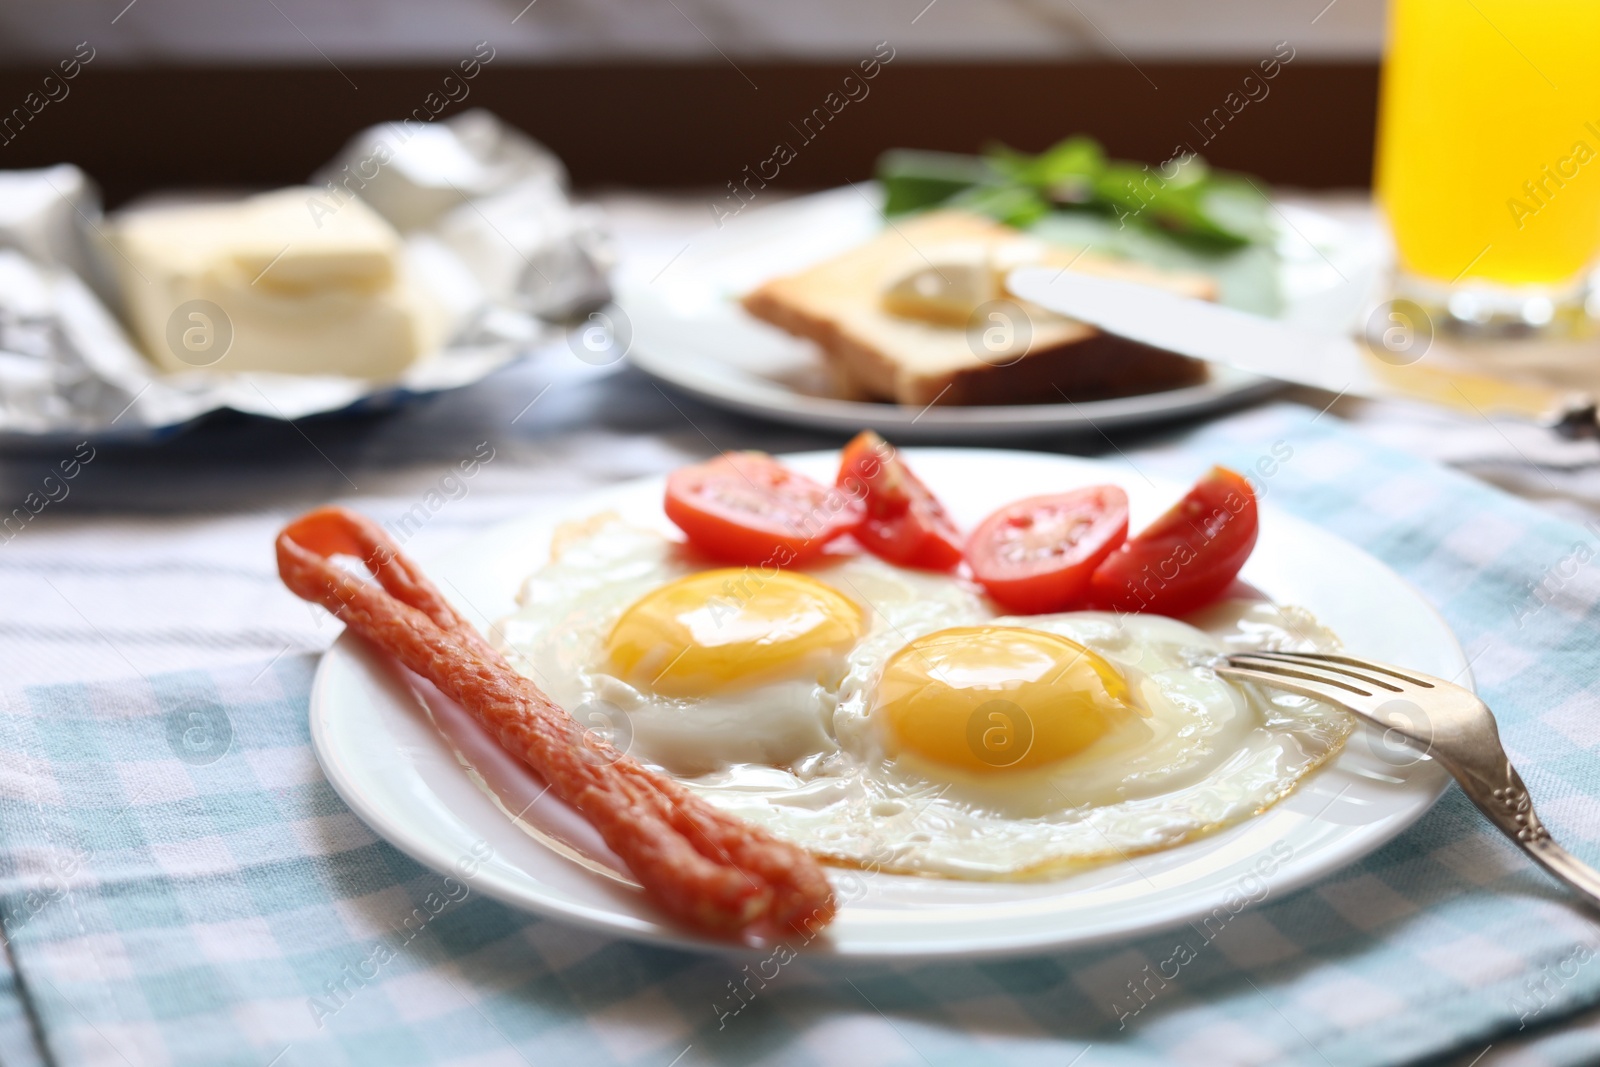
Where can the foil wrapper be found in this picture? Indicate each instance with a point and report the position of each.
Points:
(489, 232)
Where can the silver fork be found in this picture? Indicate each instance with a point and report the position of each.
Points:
(1451, 725)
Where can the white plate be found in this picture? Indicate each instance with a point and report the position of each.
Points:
(379, 747)
(687, 328)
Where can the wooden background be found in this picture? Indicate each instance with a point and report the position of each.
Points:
(665, 125)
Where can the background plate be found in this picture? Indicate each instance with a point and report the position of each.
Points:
(374, 734)
(688, 330)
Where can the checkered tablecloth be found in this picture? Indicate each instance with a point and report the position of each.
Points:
(179, 884)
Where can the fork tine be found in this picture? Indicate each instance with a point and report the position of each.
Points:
(1413, 677)
(1339, 666)
(1350, 687)
(1330, 692)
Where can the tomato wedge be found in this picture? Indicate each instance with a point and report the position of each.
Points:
(1187, 557)
(746, 507)
(1038, 554)
(903, 523)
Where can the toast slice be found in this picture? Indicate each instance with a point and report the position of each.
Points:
(882, 356)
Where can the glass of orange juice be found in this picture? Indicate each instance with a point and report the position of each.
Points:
(1489, 158)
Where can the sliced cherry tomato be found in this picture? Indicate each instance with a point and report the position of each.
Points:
(1187, 557)
(746, 507)
(904, 523)
(1038, 554)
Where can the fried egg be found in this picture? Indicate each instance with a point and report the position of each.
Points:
(891, 719)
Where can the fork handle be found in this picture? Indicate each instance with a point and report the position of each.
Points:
(1578, 876)
(1498, 792)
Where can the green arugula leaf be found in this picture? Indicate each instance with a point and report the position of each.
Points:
(915, 180)
(1010, 204)
(1183, 199)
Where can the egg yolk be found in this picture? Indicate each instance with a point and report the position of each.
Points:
(989, 699)
(724, 630)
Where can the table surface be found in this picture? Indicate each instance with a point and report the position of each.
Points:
(159, 558)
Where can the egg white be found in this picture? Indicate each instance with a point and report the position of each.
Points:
(599, 570)
(808, 759)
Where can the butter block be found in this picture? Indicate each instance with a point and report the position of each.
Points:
(267, 284)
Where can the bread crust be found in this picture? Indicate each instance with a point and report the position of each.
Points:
(836, 305)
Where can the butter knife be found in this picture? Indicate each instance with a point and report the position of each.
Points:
(1341, 365)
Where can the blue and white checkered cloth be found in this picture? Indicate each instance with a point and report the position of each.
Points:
(179, 885)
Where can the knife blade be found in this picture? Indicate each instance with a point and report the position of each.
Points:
(1341, 365)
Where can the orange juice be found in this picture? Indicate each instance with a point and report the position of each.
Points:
(1489, 139)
